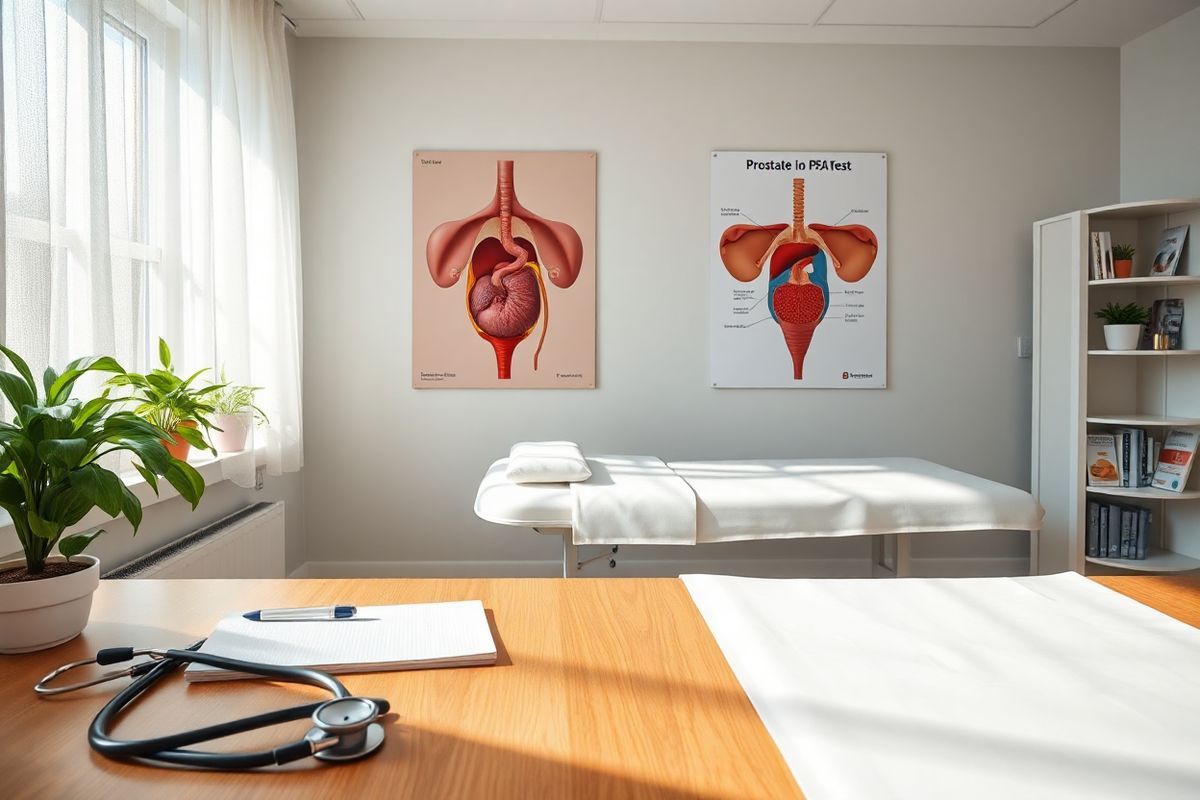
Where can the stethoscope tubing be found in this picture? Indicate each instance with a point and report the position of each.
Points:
(165, 749)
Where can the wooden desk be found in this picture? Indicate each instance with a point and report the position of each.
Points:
(604, 688)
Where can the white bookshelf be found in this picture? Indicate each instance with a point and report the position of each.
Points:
(1081, 387)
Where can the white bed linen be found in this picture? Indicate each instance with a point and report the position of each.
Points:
(529, 505)
(848, 497)
(1039, 687)
(632, 500)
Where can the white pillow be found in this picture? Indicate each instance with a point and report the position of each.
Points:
(547, 462)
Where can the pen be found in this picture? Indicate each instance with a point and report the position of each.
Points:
(301, 614)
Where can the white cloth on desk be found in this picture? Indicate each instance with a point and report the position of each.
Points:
(1040, 687)
(848, 497)
(632, 500)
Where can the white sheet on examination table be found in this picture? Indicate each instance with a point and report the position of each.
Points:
(1039, 687)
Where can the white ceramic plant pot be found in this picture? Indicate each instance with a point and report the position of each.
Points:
(38, 614)
(232, 436)
(1122, 337)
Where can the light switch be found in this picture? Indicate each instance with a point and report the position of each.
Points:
(1024, 347)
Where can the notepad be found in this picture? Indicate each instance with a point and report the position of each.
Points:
(379, 639)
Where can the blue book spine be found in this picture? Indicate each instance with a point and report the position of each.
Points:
(1093, 529)
(1114, 532)
(1103, 548)
(1128, 534)
(1144, 532)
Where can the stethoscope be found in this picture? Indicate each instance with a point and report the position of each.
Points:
(344, 728)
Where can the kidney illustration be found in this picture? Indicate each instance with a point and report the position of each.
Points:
(799, 256)
(504, 249)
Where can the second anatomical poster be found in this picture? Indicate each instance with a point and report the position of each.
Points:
(504, 269)
(798, 255)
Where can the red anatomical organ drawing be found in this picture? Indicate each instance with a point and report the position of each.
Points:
(799, 256)
(507, 252)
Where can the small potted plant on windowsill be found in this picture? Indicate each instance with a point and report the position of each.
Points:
(50, 478)
(169, 402)
(234, 413)
(1123, 260)
(1123, 325)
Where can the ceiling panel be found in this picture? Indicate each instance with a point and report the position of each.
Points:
(758, 12)
(317, 9)
(939, 13)
(480, 10)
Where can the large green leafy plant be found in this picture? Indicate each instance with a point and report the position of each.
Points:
(50, 476)
(169, 402)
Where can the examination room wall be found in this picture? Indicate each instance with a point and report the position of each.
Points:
(980, 142)
(1160, 112)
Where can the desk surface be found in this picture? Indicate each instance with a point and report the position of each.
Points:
(603, 688)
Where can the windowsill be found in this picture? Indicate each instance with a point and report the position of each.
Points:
(209, 469)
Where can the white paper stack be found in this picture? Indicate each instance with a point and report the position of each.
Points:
(378, 639)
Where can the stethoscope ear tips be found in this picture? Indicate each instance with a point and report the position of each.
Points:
(345, 729)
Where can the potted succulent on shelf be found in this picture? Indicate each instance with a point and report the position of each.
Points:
(1123, 325)
(234, 413)
(170, 403)
(1123, 260)
(50, 478)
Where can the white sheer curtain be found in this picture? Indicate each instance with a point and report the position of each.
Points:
(150, 190)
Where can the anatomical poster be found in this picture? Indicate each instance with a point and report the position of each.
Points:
(504, 270)
(798, 266)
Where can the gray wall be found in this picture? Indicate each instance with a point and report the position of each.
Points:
(1160, 112)
(980, 141)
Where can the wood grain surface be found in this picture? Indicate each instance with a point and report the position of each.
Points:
(604, 688)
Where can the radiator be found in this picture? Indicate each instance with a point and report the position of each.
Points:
(246, 544)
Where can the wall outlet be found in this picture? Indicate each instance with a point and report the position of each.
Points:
(1024, 347)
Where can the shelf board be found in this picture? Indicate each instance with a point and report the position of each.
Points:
(1145, 420)
(1144, 493)
(1146, 209)
(1143, 352)
(1161, 280)
(1155, 561)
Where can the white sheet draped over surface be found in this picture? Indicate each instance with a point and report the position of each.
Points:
(632, 500)
(848, 497)
(1039, 687)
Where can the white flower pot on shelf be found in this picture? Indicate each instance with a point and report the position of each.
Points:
(42, 613)
(1122, 337)
(232, 436)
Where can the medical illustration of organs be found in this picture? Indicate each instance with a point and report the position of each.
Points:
(799, 256)
(504, 249)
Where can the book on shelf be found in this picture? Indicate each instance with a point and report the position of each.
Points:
(1175, 460)
(1103, 461)
(1115, 530)
(1166, 316)
(1169, 251)
(1095, 261)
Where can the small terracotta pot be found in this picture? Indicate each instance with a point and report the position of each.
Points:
(1123, 268)
(177, 446)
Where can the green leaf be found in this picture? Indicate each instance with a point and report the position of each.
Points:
(62, 411)
(192, 436)
(186, 480)
(61, 388)
(131, 507)
(71, 546)
(65, 453)
(23, 368)
(164, 353)
(43, 528)
(11, 492)
(99, 486)
(65, 505)
(17, 391)
(146, 474)
(48, 378)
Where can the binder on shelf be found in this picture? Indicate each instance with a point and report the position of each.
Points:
(1093, 529)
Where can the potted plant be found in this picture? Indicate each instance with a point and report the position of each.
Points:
(233, 414)
(170, 403)
(50, 478)
(1123, 260)
(1123, 325)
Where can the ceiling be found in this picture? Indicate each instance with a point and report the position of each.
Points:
(1094, 23)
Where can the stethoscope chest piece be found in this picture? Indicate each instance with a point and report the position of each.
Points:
(345, 729)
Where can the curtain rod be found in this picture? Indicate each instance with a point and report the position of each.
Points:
(291, 23)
